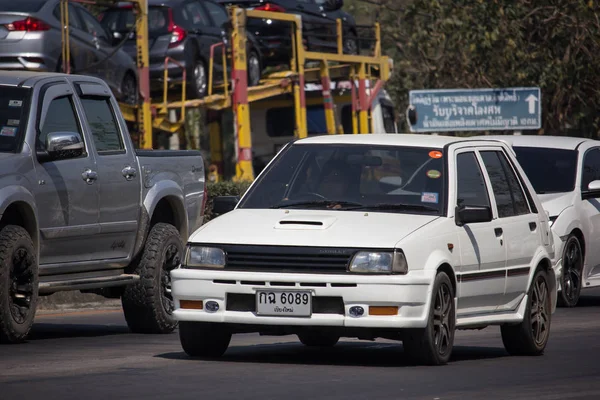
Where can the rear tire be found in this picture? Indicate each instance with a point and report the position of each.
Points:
(433, 345)
(254, 69)
(200, 339)
(315, 338)
(529, 338)
(198, 79)
(570, 286)
(129, 89)
(147, 304)
(18, 284)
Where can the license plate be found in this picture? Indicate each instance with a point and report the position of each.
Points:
(284, 303)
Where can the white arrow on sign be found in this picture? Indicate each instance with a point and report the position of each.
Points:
(531, 99)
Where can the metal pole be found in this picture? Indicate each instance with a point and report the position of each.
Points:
(328, 104)
(363, 115)
(144, 113)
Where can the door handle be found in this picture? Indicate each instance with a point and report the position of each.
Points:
(498, 232)
(89, 176)
(532, 226)
(128, 172)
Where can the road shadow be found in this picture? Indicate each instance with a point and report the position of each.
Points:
(343, 354)
(44, 330)
(589, 301)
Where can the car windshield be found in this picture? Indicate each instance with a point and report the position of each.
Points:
(352, 177)
(549, 170)
(13, 116)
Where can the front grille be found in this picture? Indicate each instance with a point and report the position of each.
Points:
(322, 260)
(320, 304)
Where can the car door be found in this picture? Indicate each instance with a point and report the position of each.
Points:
(520, 230)
(118, 178)
(217, 16)
(67, 203)
(590, 212)
(481, 275)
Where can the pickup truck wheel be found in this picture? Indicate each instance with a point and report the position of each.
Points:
(318, 339)
(18, 284)
(570, 286)
(529, 338)
(200, 339)
(147, 304)
(433, 345)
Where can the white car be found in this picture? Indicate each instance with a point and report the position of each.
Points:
(403, 237)
(565, 172)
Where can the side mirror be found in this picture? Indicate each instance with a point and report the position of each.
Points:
(592, 192)
(224, 204)
(63, 145)
(472, 214)
(333, 5)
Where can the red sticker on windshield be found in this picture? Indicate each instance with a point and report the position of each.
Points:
(435, 154)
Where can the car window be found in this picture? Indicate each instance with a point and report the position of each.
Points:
(509, 196)
(471, 187)
(281, 121)
(194, 15)
(61, 117)
(549, 170)
(387, 114)
(104, 127)
(14, 106)
(591, 168)
(92, 26)
(217, 13)
(74, 21)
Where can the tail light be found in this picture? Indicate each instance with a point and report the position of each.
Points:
(271, 7)
(177, 32)
(29, 24)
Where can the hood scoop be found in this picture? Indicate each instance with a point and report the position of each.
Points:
(304, 222)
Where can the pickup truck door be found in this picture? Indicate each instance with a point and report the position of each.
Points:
(118, 176)
(67, 202)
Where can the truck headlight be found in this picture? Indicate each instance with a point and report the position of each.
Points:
(373, 262)
(204, 257)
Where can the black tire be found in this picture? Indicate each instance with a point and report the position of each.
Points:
(147, 304)
(18, 284)
(529, 338)
(200, 339)
(198, 79)
(254, 68)
(433, 345)
(318, 338)
(351, 43)
(571, 279)
(129, 89)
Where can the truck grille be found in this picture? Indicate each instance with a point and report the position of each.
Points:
(292, 259)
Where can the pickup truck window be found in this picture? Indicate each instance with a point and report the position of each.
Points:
(61, 117)
(510, 198)
(472, 190)
(13, 116)
(394, 178)
(104, 127)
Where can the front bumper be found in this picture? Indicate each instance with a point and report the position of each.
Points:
(411, 293)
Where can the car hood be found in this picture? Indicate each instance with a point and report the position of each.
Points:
(555, 203)
(310, 228)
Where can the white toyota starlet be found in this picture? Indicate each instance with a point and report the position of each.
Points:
(565, 173)
(403, 237)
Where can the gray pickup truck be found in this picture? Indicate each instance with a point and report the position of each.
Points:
(81, 209)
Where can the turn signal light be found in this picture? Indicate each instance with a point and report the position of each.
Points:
(383, 310)
(191, 304)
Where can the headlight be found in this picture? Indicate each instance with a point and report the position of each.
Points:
(379, 262)
(204, 257)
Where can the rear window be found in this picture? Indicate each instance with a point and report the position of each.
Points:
(14, 103)
(23, 6)
(123, 20)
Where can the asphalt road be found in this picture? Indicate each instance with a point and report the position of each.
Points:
(91, 355)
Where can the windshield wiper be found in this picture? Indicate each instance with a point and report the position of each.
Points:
(319, 203)
(399, 206)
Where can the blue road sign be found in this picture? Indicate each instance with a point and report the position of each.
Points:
(475, 109)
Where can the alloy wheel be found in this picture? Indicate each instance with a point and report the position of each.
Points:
(442, 324)
(171, 260)
(540, 320)
(573, 265)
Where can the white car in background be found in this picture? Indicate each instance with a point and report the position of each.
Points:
(565, 172)
(326, 244)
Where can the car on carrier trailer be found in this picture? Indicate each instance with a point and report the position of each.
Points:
(81, 209)
(404, 237)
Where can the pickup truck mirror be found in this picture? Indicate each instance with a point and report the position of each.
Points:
(224, 204)
(472, 214)
(592, 192)
(62, 145)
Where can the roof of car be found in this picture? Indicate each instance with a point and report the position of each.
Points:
(545, 141)
(405, 139)
(29, 78)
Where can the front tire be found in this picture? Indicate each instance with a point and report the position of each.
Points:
(572, 273)
(18, 284)
(148, 304)
(433, 345)
(199, 339)
(529, 338)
